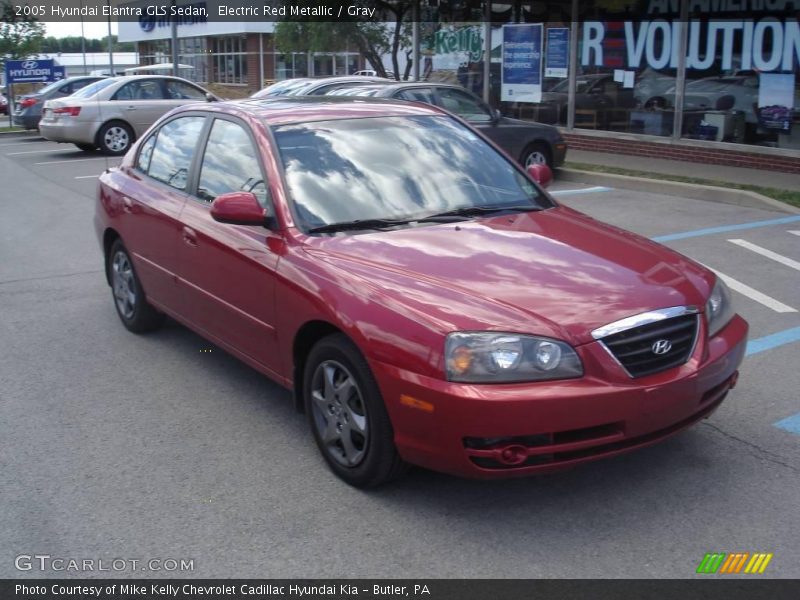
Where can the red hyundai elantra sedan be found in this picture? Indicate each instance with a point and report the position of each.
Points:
(427, 301)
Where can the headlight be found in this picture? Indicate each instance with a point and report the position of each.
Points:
(719, 309)
(504, 357)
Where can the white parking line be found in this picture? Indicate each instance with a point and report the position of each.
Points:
(795, 232)
(753, 294)
(784, 260)
(589, 190)
(88, 177)
(40, 152)
(58, 162)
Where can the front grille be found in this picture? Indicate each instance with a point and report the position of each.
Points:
(633, 348)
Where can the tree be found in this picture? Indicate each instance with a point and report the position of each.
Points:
(387, 34)
(20, 37)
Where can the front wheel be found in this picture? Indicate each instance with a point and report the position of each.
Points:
(347, 415)
(537, 153)
(115, 138)
(136, 314)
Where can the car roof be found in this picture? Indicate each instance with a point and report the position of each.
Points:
(301, 109)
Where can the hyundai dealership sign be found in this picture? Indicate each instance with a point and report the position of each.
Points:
(29, 71)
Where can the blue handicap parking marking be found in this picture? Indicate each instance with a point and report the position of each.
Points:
(768, 342)
(790, 424)
(724, 229)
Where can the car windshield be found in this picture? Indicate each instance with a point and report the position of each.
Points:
(395, 168)
(91, 89)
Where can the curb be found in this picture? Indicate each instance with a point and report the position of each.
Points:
(707, 193)
(14, 134)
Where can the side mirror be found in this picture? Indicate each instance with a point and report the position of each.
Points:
(496, 115)
(210, 97)
(541, 174)
(239, 208)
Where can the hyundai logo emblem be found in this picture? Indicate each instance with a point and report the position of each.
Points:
(29, 65)
(661, 347)
(147, 23)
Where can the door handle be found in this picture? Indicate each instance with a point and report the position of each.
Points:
(189, 236)
(130, 108)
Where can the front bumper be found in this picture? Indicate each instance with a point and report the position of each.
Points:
(559, 153)
(67, 129)
(506, 430)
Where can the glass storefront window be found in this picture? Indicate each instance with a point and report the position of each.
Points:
(744, 90)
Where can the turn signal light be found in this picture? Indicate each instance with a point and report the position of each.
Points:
(72, 111)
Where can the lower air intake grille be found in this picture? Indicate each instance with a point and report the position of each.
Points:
(654, 347)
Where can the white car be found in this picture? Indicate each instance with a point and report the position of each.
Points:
(111, 114)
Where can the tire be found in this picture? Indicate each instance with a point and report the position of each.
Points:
(87, 147)
(537, 153)
(349, 421)
(136, 314)
(115, 138)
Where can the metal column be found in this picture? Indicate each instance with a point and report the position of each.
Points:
(683, 23)
(573, 67)
(487, 49)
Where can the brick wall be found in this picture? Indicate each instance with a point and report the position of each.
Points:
(685, 152)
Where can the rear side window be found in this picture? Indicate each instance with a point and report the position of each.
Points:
(230, 164)
(464, 105)
(145, 154)
(173, 151)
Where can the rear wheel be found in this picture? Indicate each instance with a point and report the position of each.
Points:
(115, 138)
(136, 314)
(347, 415)
(87, 147)
(537, 153)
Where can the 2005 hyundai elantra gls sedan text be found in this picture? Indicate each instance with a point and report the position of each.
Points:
(427, 301)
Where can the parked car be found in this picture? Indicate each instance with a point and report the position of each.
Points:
(373, 73)
(427, 301)
(599, 94)
(3, 105)
(306, 86)
(111, 113)
(528, 142)
(28, 111)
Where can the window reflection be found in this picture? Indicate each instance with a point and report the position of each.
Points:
(230, 164)
(174, 149)
(395, 167)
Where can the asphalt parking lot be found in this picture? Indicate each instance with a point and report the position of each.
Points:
(162, 446)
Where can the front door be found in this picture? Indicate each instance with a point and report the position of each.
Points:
(228, 271)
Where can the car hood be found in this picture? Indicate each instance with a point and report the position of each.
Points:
(556, 273)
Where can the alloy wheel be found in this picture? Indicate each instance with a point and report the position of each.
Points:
(339, 413)
(123, 285)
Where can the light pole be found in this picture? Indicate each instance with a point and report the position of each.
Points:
(83, 42)
(110, 45)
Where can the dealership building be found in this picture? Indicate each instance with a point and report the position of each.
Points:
(710, 81)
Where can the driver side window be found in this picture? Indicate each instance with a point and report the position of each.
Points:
(230, 164)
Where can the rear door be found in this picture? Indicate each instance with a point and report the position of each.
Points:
(152, 198)
(227, 272)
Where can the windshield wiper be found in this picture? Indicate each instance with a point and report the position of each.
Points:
(474, 211)
(360, 224)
